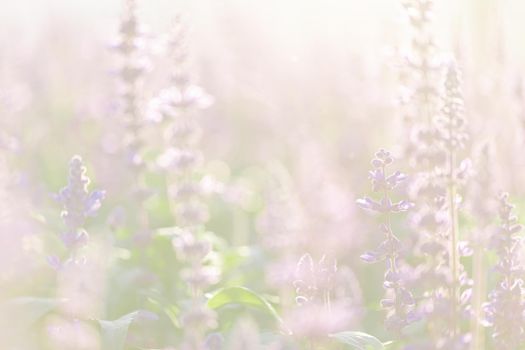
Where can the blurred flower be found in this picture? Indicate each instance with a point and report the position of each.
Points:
(181, 160)
(313, 279)
(191, 249)
(327, 299)
(505, 310)
(451, 123)
(131, 73)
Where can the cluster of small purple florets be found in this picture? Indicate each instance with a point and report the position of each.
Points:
(78, 204)
(399, 303)
(505, 311)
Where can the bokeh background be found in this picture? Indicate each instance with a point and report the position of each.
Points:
(304, 92)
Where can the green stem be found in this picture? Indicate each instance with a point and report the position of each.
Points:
(392, 257)
(478, 341)
(454, 233)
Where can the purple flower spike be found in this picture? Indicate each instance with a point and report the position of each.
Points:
(505, 310)
(400, 303)
(78, 203)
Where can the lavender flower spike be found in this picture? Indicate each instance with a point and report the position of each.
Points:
(399, 302)
(505, 309)
(78, 203)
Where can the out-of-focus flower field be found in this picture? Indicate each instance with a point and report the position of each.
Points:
(243, 175)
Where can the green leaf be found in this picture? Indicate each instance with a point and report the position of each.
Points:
(388, 344)
(358, 340)
(114, 333)
(242, 296)
(172, 312)
(22, 313)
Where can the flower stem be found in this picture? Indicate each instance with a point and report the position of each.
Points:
(478, 293)
(454, 233)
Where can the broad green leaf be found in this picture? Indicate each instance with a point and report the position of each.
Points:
(358, 340)
(242, 296)
(114, 333)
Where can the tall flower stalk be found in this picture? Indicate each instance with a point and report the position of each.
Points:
(422, 147)
(483, 207)
(131, 73)
(399, 302)
(506, 309)
(422, 70)
(131, 76)
(425, 156)
(79, 276)
(182, 159)
(451, 124)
